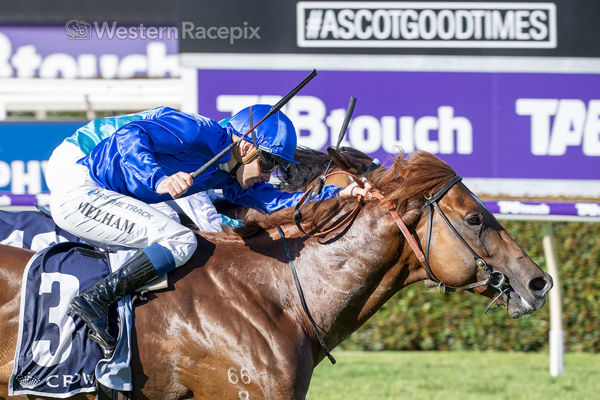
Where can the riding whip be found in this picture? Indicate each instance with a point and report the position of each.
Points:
(317, 187)
(345, 124)
(272, 111)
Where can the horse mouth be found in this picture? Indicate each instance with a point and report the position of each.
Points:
(517, 306)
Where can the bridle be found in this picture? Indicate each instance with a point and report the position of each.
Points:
(495, 279)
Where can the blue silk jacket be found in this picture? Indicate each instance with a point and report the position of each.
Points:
(155, 144)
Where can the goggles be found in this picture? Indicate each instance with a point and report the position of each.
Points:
(268, 162)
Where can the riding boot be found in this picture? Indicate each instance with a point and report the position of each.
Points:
(93, 304)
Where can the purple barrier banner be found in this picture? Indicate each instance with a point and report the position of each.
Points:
(501, 208)
(485, 125)
(536, 208)
(23, 200)
(93, 49)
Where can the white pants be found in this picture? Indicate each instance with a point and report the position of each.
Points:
(112, 220)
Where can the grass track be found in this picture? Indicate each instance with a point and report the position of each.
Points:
(454, 375)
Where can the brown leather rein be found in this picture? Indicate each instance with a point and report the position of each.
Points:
(495, 279)
(303, 201)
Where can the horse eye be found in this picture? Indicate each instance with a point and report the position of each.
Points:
(474, 220)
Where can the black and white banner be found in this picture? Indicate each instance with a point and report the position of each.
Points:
(559, 28)
(423, 24)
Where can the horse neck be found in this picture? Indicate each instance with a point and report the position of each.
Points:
(347, 281)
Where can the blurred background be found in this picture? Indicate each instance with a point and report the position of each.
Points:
(508, 93)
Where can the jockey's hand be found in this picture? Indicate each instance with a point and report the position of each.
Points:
(354, 190)
(176, 184)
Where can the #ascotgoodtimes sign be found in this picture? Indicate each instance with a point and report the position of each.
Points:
(559, 28)
(426, 24)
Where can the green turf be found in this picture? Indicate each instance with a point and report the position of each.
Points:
(454, 375)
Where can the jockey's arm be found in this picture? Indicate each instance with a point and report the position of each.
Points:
(266, 198)
(170, 132)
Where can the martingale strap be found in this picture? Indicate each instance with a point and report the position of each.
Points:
(403, 228)
(302, 299)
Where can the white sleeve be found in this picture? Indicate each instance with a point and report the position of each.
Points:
(200, 209)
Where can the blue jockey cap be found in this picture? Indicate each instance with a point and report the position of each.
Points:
(276, 135)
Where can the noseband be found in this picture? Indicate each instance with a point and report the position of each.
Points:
(495, 279)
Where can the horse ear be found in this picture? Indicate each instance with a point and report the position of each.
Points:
(346, 161)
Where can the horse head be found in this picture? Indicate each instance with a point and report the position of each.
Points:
(461, 243)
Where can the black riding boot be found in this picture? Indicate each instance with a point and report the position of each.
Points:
(92, 305)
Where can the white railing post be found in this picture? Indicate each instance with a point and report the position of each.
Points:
(556, 330)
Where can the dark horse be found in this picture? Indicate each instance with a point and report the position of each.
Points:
(232, 325)
(298, 177)
(312, 163)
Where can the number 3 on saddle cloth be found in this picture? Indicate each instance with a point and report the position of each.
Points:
(54, 356)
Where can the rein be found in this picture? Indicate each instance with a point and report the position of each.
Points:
(496, 279)
(297, 220)
(303, 201)
(302, 299)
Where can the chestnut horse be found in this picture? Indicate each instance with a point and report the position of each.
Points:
(232, 326)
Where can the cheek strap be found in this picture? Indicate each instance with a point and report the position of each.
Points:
(253, 153)
(250, 156)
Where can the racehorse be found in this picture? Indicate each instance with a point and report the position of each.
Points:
(232, 324)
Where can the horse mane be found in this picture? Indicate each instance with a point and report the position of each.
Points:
(312, 163)
(410, 179)
(404, 184)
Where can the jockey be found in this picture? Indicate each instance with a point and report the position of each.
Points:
(107, 198)
(198, 207)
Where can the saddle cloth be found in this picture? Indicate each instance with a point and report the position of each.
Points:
(31, 230)
(54, 356)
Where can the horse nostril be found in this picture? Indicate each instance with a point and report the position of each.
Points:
(538, 285)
